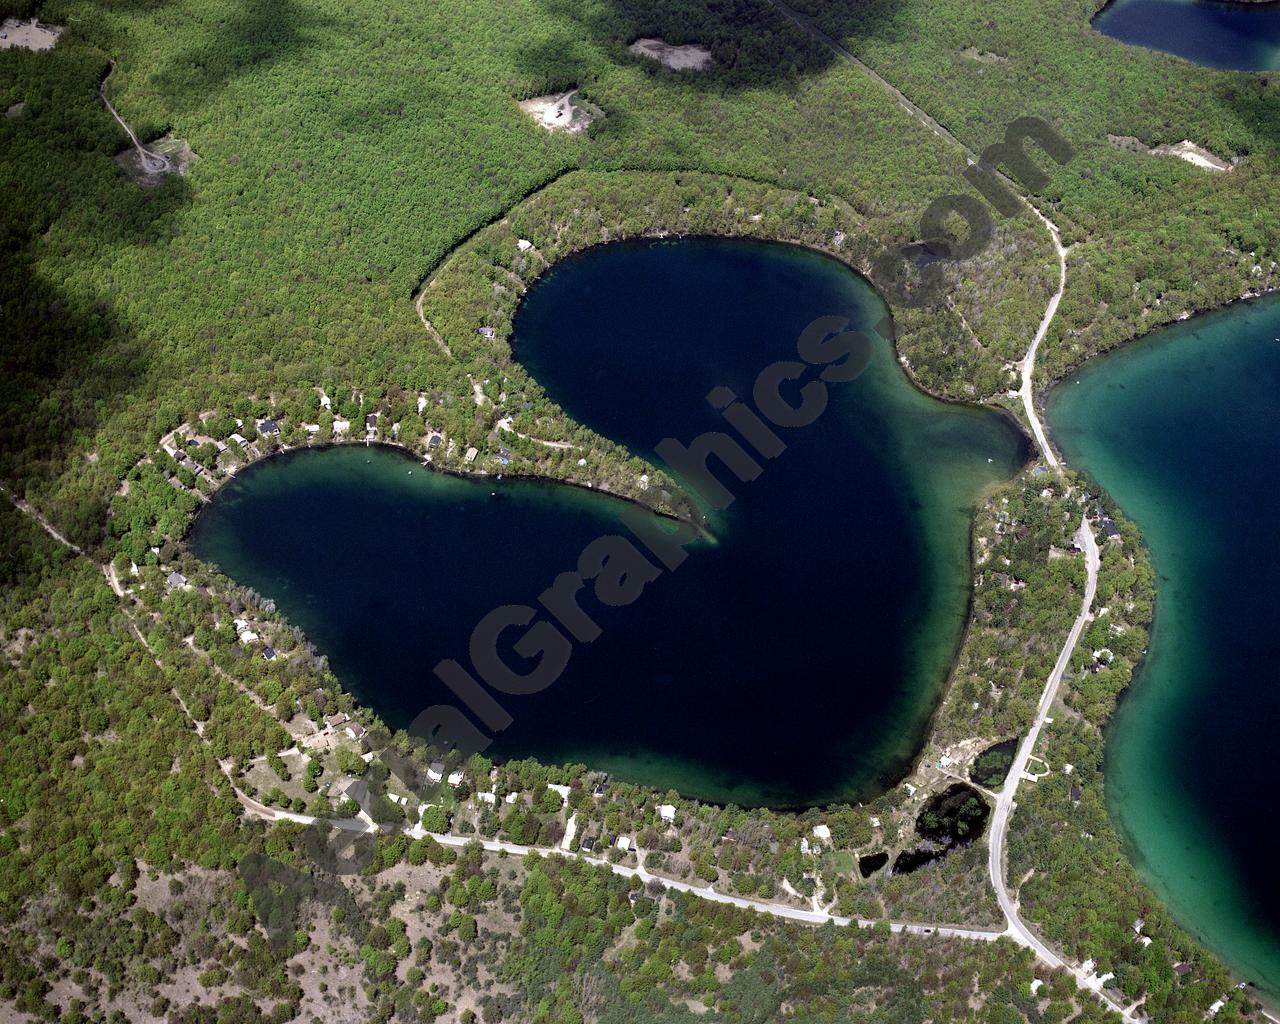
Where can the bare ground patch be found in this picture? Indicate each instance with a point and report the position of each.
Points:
(689, 57)
(28, 35)
(983, 57)
(156, 161)
(563, 112)
(1184, 150)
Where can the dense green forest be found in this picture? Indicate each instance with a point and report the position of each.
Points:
(351, 158)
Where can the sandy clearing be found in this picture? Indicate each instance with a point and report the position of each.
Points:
(28, 35)
(1193, 154)
(689, 57)
(559, 113)
(1184, 150)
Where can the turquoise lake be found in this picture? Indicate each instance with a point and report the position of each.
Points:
(1238, 36)
(794, 658)
(1183, 429)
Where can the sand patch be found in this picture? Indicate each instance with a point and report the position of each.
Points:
(1193, 154)
(157, 160)
(562, 112)
(1184, 150)
(28, 35)
(983, 57)
(689, 57)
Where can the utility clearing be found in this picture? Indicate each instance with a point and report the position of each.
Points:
(689, 57)
(28, 35)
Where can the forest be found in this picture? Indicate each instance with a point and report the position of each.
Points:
(352, 159)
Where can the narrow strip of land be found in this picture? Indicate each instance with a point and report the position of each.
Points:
(1005, 803)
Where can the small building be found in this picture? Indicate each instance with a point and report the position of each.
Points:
(371, 422)
(341, 427)
(804, 846)
(667, 813)
(434, 442)
(455, 778)
(268, 654)
(487, 798)
(524, 245)
(822, 832)
(337, 721)
(248, 636)
(238, 439)
(1182, 968)
(176, 581)
(588, 844)
(486, 332)
(471, 454)
(624, 844)
(355, 730)
(560, 791)
(268, 428)
(435, 771)
(1076, 794)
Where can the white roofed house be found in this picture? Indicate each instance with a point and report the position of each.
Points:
(624, 844)
(455, 778)
(667, 812)
(435, 771)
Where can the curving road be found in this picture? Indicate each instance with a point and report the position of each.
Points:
(1028, 365)
(1005, 802)
(366, 825)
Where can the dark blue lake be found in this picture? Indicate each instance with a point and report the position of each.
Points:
(794, 658)
(1183, 428)
(1239, 36)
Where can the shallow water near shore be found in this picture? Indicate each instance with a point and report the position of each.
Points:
(794, 660)
(1183, 429)
(1235, 36)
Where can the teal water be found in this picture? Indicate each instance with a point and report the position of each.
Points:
(792, 659)
(1183, 429)
(1237, 36)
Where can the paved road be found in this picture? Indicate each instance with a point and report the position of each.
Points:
(1005, 803)
(1029, 360)
(365, 825)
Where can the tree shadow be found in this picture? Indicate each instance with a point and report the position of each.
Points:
(261, 33)
(1256, 100)
(753, 43)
